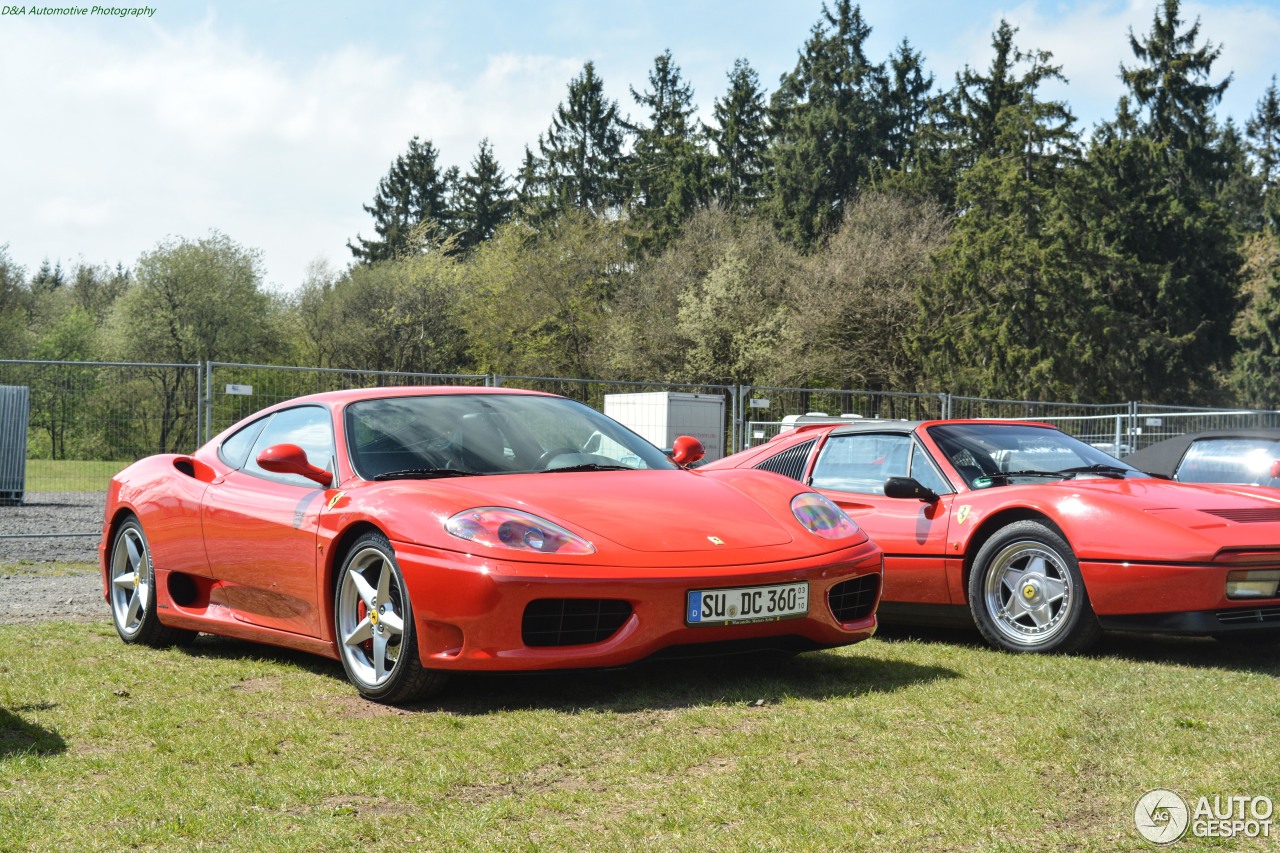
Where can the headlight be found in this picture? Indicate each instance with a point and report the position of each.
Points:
(822, 517)
(1256, 583)
(500, 527)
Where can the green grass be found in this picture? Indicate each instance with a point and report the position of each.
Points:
(893, 744)
(50, 475)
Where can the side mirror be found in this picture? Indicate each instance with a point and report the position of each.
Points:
(292, 459)
(908, 487)
(687, 450)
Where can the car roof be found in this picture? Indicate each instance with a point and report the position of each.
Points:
(853, 426)
(1162, 458)
(350, 395)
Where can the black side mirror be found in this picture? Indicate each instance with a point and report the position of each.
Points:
(908, 487)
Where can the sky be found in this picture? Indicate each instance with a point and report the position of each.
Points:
(273, 121)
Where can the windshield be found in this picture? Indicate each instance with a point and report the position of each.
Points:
(1001, 454)
(1230, 460)
(453, 434)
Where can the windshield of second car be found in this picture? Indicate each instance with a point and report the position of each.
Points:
(1002, 454)
(460, 434)
(1230, 460)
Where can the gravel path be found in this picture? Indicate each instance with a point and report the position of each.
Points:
(29, 592)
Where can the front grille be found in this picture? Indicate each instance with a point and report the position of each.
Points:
(854, 599)
(1258, 615)
(572, 621)
(788, 463)
(1246, 516)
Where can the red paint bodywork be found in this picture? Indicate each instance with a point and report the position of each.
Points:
(241, 556)
(1146, 547)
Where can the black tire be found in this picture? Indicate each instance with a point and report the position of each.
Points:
(374, 628)
(1026, 593)
(132, 592)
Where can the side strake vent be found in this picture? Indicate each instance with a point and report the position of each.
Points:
(572, 621)
(788, 463)
(1247, 516)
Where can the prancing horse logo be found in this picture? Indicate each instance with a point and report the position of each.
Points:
(715, 540)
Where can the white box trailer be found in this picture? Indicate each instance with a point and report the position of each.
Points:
(662, 416)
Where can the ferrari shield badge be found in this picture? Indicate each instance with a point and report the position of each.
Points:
(715, 540)
(962, 514)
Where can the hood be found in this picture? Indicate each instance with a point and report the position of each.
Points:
(645, 511)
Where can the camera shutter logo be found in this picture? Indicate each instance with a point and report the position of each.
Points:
(1161, 816)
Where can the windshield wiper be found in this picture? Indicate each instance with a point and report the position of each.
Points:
(1006, 476)
(1113, 471)
(425, 474)
(590, 466)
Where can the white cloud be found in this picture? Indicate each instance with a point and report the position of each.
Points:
(118, 146)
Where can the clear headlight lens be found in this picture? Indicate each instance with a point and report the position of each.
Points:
(821, 517)
(1253, 583)
(500, 527)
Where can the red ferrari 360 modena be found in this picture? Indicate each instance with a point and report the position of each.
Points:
(1040, 540)
(411, 533)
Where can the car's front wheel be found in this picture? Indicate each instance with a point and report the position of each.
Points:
(1026, 593)
(373, 620)
(133, 591)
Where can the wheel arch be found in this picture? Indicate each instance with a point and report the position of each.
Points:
(337, 552)
(994, 524)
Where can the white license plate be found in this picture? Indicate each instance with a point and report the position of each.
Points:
(747, 604)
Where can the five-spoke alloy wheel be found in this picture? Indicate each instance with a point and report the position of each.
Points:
(1026, 593)
(374, 626)
(133, 591)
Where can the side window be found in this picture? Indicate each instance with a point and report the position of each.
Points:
(861, 463)
(310, 428)
(924, 472)
(235, 450)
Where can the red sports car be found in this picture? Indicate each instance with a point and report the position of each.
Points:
(1039, 539)
(411, 533)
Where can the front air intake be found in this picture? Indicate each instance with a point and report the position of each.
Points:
(854, 599)
(572, 621)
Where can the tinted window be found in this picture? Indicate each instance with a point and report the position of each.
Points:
(308, 427)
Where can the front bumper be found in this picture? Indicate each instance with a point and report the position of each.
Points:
(1173, 599)
(468, 610)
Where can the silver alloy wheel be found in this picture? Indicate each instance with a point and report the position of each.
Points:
(1029, 593)
(130, 580)
(371, 617)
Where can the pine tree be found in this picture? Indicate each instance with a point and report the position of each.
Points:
(1009, 304)
(741, 139)
(1166, 271)
(828, 127)
(415, 194)
(668, 171)
(907, 105)
(484, 199)
(1263, 133)
(582, 149)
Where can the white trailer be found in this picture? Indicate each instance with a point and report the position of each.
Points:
(662, 416)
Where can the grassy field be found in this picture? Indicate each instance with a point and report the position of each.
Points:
(931, 743)
(49, 475)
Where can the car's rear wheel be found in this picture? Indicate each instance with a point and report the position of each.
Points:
(1026, 593)
(373, 620)
(133, 591)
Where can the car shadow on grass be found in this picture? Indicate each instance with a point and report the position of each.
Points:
(1201, 652)
(749, 680)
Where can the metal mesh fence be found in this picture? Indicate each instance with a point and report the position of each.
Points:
(766, 408)
(238, 390)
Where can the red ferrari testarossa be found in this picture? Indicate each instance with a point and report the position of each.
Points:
(414, 532)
